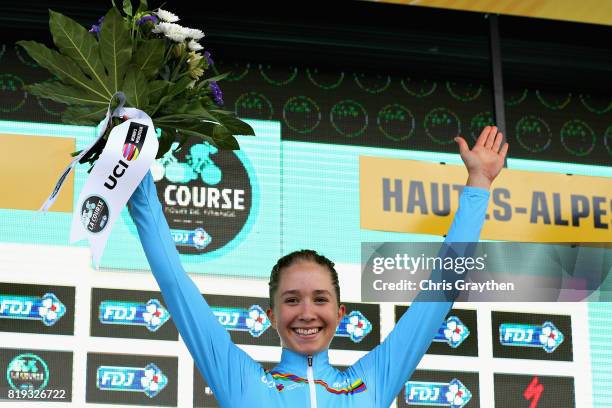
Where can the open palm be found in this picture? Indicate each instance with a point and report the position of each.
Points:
(486, 159)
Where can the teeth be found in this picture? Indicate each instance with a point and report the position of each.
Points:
(306, 332)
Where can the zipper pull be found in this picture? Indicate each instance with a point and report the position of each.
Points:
(309, 361)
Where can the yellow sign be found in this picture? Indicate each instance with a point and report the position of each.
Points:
(585, 11)
(29, 168)
(418, 197)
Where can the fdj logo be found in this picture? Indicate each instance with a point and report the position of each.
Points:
(149, 380)
(48, 308)
(206, 195)
(27, 372)
(152, 314)
(546, 336)
(117, 379)
(453, 394)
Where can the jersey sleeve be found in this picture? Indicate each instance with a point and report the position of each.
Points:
(225, 367)
(391, 364)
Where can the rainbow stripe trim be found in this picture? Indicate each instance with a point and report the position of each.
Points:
(130, 151)
(356, 387)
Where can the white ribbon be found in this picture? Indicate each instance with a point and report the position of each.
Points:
(101, 129)
(129, 152)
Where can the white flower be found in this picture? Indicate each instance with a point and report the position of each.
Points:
(49, 310)
(454, 396)
(153, 315)
(172, 31)
(166, 16)
(194, 45)
(194, 33)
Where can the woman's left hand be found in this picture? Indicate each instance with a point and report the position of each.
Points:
(485, 160)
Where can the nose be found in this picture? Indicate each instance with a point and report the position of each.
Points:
(307, 311)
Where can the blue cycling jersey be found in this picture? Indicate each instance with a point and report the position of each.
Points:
(298, 380)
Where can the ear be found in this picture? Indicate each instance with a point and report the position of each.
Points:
(341, 313)
(272, 317)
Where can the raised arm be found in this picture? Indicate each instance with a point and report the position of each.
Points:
(392, 363)
(223, 364)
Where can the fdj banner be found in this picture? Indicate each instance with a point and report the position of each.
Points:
(417, 197)
(206, 195)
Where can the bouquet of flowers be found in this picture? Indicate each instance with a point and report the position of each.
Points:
(158, 64)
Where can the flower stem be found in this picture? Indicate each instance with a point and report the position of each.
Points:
(177, 67)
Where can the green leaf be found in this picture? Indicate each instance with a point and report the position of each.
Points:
(205, 83)
(83, 115)
(149, 57)
(127, 8)
(185, 125)
(195, 109)
(235, 125)
(202, 130)
(180, 117)
(135, 88)
(228, 144)
(165, 141)
(76, 43)
(115, 48)
(173, 90)
(65, 94)
(222, 112)
(182, 142)
(179, 87)
(157, 90)
(142, 7)
(199, 135)
(215, 78)
(62, 67)
(223, 138)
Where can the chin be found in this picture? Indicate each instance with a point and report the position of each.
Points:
(310, 350)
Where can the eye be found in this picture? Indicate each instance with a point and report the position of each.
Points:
(291, 300)
(321, 299)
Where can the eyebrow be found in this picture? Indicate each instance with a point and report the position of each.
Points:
(297, 292)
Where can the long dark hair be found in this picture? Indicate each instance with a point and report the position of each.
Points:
(301, 255)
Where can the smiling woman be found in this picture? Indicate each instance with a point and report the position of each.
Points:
(304, 301)
(305, 309)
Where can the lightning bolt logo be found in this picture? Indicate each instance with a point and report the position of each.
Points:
(533, 392)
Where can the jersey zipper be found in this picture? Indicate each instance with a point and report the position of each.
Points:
(311, 384)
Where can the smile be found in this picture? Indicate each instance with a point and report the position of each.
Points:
(306, 332)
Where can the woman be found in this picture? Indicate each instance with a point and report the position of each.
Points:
(305, 310)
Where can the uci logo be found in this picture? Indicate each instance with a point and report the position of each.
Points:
(118, 171)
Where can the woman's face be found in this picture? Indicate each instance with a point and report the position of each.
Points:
(306, 312)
